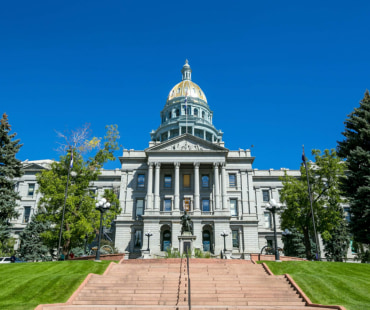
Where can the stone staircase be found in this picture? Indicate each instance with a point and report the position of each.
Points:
(163, 284)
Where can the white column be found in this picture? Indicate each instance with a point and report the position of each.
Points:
(217, 186)
(196, 186)
(223, 180)
(149, 195)
(156, 186)
(177, 187)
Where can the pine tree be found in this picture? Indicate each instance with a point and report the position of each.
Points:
(32, 247)
(337, 245)
(356, 186)
(293, 244)
(10, 168)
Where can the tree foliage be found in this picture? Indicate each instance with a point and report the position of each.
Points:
(356, 185)
(81, 217)
(324, 175)
(10, 168)
(32, 246)
(293, 244)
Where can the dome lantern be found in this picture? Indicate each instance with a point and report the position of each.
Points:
(186, 71)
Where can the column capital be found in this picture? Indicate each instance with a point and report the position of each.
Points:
(196, 164)
(150, 164)
(215, 164)
(223, 164)
(176, 164)
(157, 165)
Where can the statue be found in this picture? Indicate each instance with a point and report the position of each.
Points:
(186, 223)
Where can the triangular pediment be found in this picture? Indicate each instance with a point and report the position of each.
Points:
(37, 164)
(186, 143)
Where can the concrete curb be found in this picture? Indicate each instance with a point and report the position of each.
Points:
(306, 299)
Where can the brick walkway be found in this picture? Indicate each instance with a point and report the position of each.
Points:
(163, 284)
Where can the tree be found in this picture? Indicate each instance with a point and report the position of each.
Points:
(10, 168)
(32, 246)
(81, 217)
(356, 185)
(293, 243)
(324, 177)
(336, 246)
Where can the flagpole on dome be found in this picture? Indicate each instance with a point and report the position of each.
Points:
(186, 111)
(318, 256)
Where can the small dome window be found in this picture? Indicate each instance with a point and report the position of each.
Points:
(203, 114)
(178, 90)
(194, 91)
(177, 113)
(200, 93)
(196, 112)
(173, 93)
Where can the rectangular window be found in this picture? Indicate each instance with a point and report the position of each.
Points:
(187, 204)
(139, 207)
(141, 180)
(167, 205)
(267, 216)
(235, 234)
(138, 239)
(266, 195)
(31, 189)
(186, 180)
(232, 180)
(205, 205)
(233, 207)
(167, 181)
(205, 181)
(27, 213)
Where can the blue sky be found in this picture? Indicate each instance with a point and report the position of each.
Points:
(277, 74)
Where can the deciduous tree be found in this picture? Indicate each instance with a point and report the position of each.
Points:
(324, 176)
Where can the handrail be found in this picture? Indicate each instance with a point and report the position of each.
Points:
(189, 290)
(179, 285)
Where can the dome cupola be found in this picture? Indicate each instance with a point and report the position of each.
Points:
(186, 111)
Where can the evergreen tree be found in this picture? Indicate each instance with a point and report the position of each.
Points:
(10, 168)
(293, 244)
(336, 246)
(32, 247)
(356, 186)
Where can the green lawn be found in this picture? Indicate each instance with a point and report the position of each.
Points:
(24, 286)
(345, 284)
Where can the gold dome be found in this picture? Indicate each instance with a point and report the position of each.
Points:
(186, 87)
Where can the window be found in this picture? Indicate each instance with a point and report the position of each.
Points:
(205, 181)
(199, 133)
(167, 205)
(208, 136)
(203, 114)
(189, 110)
(235, 234)
(177, 113)
(187, 204)
(267, 216)
(167, 181)
(233, 207)
(205, 205)
(139, 207)
(186, 181)
(232, 180)
(141, 180)
(31, 189)
(195, 112)
(27, 213)
(266, 195)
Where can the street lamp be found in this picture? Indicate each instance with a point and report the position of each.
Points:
(224, 234)
(273, 206)
(102, 206)
(148, 234)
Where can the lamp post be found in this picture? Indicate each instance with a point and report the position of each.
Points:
(224, 234)
(102, 206)
(273, 206)
(148, 234)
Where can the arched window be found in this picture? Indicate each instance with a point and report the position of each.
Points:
(169, 115)
(195, 112)
(206, 241)
(166, 240)
(203, 114)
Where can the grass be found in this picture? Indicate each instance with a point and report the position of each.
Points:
(345, 284)
(24, 286)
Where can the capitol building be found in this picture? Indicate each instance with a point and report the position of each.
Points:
(186, 167)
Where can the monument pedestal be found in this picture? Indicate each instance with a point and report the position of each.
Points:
(186, 241)
(146, 254)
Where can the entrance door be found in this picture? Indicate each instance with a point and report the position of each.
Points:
(206, 241)
(166, 243)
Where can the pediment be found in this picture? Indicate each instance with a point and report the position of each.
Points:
(186, 143)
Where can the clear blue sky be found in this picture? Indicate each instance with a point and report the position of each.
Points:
(277, 74)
